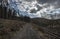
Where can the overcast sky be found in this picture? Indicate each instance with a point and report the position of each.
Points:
(34, 8)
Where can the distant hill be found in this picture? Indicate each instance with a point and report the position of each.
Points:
(10, 24)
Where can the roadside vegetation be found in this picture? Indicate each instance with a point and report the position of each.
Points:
(10, 24)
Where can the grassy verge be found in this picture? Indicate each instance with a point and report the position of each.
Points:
(9, 28)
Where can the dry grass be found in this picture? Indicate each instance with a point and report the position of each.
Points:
(49, 28)
(7, 27)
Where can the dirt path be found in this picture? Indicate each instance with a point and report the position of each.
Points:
(27, 33)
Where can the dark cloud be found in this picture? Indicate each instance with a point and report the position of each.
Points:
(39, 8)
(47, 1)
(55, 3)
(41, 1)
(29, 0)
(33, 11)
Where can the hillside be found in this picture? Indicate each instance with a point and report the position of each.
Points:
(9, 27)
(12, 27)
(47, 29)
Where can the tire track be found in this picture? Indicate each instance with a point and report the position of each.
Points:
(27, 33)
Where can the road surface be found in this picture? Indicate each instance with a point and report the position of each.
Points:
(27, 33)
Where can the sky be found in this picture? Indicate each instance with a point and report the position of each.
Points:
(36, 8)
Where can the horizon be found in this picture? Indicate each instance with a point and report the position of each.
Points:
(36, 8)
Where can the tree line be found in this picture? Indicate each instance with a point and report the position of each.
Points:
(11, 14)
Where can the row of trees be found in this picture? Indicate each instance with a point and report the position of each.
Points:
(11, 14)
(6, 13)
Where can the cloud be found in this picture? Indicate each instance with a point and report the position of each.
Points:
(34, 8)
(56, 3)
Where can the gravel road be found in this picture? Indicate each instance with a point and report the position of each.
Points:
(27, 33)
